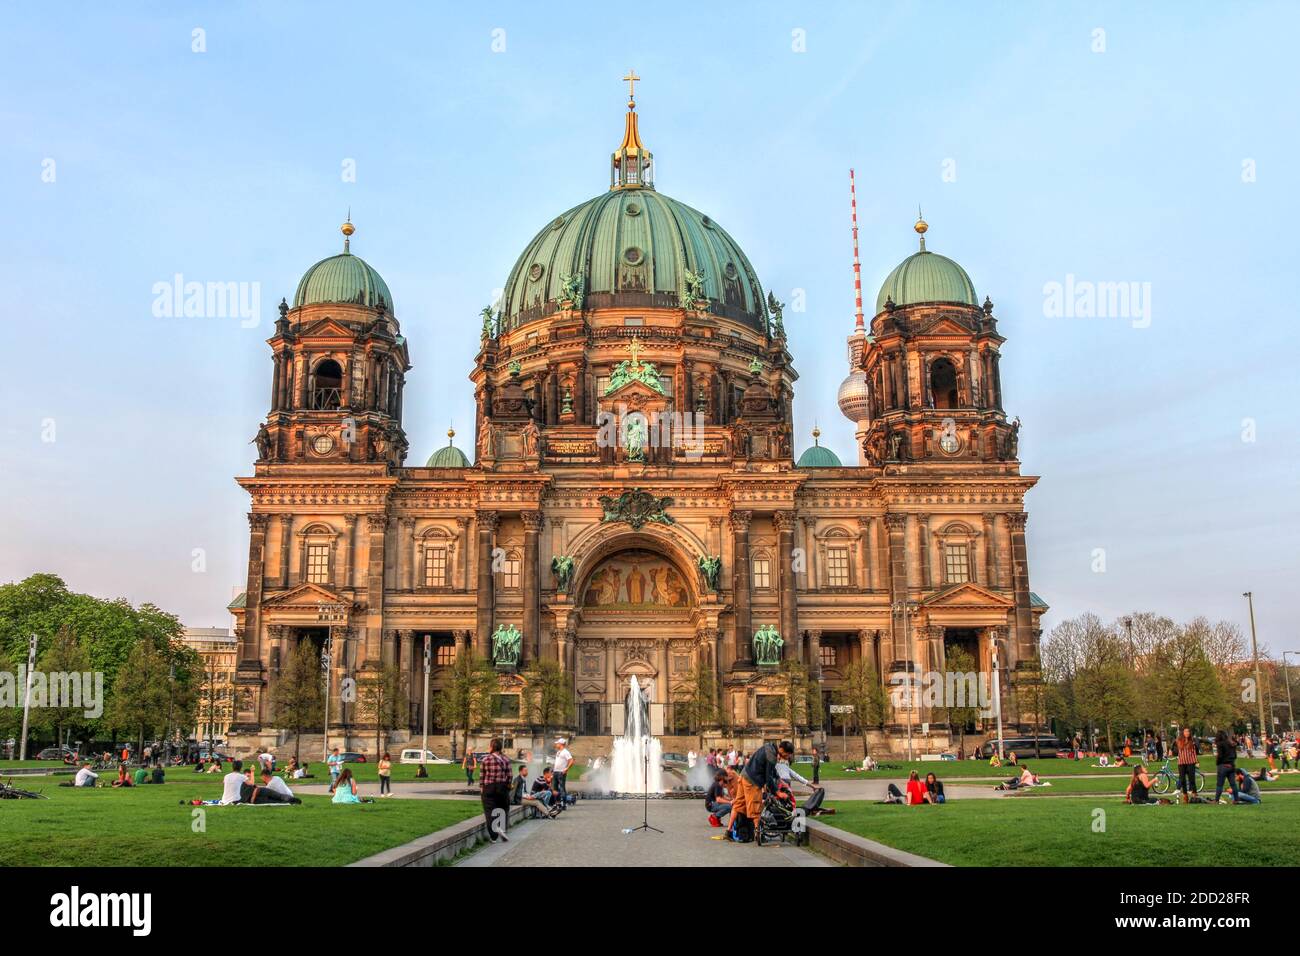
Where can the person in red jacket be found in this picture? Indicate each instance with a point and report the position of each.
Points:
(915, 790)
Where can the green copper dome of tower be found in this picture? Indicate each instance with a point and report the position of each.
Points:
(344, 278)
(926, 276)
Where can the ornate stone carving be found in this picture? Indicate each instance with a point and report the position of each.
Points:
(740, 521)
(637, 508)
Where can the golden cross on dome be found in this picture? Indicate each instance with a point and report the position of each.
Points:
(635, 348)
(631, 80)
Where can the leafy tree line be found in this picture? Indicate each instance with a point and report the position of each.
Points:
(1148, 672)
(151, 680)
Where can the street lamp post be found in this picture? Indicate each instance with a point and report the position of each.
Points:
(424, 710)
(997, 693)
(27, 695)
(1286, 679)
(906, 607)
(328, 614)
(1264, 728)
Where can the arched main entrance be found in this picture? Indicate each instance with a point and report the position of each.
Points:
(637, 615)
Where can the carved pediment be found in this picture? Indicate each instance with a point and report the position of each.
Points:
(967, 595)
(327, 328)
(305, 596)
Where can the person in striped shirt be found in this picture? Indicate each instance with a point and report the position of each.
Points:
(494, 786)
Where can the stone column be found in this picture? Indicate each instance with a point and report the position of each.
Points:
(250, 643)
(744, 646)
(784, 521)
(405, 547)
(376, 528)
(874, 546)
(810, 550)
(531, 586)
(286, 542)
(987, 565)
(815, 654)
(923, 551)
(461, 561)
(1002, 548)
(388, 652)
(487, 526)
(864, 554)
(896, 526)
(1024, 634)
(867, 649)
(349, 544)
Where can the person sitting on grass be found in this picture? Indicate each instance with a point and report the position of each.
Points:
(274, 784)
(85, 776)
(251, 793)
(916, 792)
(123, 778)
(1264, 775)
(159, 775)
(717, 800)
(302, 771)
(232, 783)
(934, 789)
(1247, 788)
(345, 789)
(1138, 790)
(140, 777)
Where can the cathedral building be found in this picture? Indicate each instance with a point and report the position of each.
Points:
(632, 504)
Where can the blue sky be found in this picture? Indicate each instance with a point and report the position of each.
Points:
(225, 166)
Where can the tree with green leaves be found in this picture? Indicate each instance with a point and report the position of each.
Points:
(548, 699)
(138, 701)
(1106, 695)
(802, 696)
(860, 688)
(698, 703)
(958, 663)
(381, 699)
(465, 699)
(298, 698)
(1183, 684)
(63, 656)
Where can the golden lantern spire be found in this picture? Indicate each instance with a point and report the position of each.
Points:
(347, 229)
(921, 226)
(630, 164)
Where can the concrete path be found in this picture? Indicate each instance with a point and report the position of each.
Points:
(591, 834)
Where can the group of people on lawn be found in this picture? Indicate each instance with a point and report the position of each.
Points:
(1243, 787)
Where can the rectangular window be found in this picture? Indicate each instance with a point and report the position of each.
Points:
(444, 655)
(435, 567)
(505, 706)
(769, 706)
(762, 573)
(827, 655)
(602, 384)
(837, 567)
(956, 563)
(318, 563)
(633, 320)
(510, 572)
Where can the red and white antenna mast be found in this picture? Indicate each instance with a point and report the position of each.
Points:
(857, 265)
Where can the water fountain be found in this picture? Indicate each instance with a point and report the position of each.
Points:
(629, 771)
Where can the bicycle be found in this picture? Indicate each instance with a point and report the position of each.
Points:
(9, 792)
(1166, 780)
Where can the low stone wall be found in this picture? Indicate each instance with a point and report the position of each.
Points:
(439, 846)
(850, 849)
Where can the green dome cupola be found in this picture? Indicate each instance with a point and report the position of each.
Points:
(817, 456)
(449, 456)
(926, 276)
(344, 279)
(632, 246)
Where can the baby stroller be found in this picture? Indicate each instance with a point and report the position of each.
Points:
(776, 823)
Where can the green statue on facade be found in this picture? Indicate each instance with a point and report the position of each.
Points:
(487, 322)
(767, 645)
(694, 286)
(571, 288)
(777, 309)
(507, 644)
(562, 568)
(711, 567)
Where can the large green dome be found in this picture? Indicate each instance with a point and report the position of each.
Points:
(633, 240)
(819, 457)
(447, 457)
(344, 278)
(927, 277)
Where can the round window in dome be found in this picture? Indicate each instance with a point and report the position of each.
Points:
(632, 209)
(730, 270)
(535, 271)
(633, 256)
(708, 223)
(558, 223)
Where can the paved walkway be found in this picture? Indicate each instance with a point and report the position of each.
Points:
(591, 834)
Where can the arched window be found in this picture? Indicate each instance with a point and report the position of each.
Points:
(510, 571)
(327, 385)
(943, 383)
(762, 579)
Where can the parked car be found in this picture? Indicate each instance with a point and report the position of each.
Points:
(352, 756)
(206, 755)
(1024, 747)
(57, 753)
(413, 756)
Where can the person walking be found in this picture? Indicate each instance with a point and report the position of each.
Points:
(494, 791)
(1225, 762)
(469, 763)
(385, 768)
(817, 765)
(1187, 764)
(335, 764)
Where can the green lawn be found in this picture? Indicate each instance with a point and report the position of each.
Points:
(148, 826)
(951, 769)
(1061, 832)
